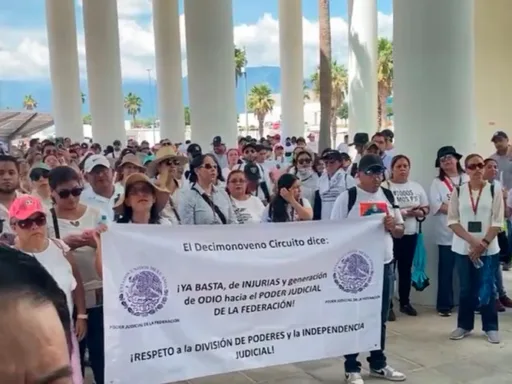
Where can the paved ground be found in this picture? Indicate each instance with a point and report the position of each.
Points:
(417, 346)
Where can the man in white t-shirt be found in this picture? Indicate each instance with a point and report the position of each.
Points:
(369, 198)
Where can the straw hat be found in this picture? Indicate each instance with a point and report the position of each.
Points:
(162, 195)
(163, 154)
(132, 159)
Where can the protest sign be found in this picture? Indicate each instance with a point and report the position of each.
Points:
(190, 301)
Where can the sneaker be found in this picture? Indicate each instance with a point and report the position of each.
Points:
(391, 315)
(459, 334)
(408, 310)
(499, 306)
(506, 301)
(493, 337)
(353, 378)
(388, 373)
(445, 313)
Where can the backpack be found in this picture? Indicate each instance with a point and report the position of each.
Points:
(352, 197)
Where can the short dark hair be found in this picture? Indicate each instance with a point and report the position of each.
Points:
(48, 144)
(62, 174)
(10, 159)
(23, 277)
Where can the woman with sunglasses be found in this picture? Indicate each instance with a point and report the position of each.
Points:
(302, 168)
(28, 220)
(248, 208)
(73, 222)
(204, 202)
(475, 215)
(451, 175)
(39, 185)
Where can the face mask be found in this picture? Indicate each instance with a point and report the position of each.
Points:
(304, 172)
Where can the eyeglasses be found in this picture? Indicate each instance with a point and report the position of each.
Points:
(37, 174)
(50, 152)
(39, 221)
(209, 166)
(446, 158)
(65, 193)
(304, 161)
(472, 167)
(237, 181)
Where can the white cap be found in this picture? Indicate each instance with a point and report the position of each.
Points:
(95, 160)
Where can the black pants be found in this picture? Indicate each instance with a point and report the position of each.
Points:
(403, 250)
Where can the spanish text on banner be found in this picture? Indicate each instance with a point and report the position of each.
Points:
(192, 301)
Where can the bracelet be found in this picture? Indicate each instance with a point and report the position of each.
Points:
(486, 242)
(82, 317)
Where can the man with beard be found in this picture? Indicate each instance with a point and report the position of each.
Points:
(9, 184)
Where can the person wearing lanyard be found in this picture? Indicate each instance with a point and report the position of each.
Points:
(475, 215)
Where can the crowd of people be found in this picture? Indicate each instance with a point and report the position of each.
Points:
(58, 197)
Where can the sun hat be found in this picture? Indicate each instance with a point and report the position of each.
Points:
(161, 195)
(163, 154)
(445, 151)
(132, 159)
(25, 206)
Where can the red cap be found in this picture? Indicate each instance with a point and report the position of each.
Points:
(25, 206)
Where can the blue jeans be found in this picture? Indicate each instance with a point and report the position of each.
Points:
(94, 341)
(498, 284)
(377, 359)
(445, 278)
(469, 285)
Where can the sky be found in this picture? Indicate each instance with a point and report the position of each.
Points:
(24, 49)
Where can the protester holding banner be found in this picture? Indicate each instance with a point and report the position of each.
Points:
(368, 199)
(288, 205)
(205, 203)
(248, 208)
(28, 220)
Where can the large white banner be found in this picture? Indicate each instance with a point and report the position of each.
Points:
(190, 301)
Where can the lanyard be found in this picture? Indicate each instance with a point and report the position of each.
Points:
(448, 184)
(474, 205)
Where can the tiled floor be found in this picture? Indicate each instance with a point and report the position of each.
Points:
(417, 346)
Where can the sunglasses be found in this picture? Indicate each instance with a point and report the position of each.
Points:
(374, 171)
(304, 161)
(472, 167)
(65, 193)
(166, 144)
(209, 166)
(39, 221)
(237, 181)
(37, 174)
(173, 162)
(50, 152)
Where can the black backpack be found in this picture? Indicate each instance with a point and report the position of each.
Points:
(352, 197)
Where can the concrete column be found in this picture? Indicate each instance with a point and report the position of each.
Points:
(103, 57)
(166, 24)
(493, 79)
(433, 94)
(211, 71)
(292, 67)
(64, 72)
(362, 66)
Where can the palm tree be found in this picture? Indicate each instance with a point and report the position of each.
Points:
(260, 102)
(384, 79)
(83, 97)
(29, 103)
(339, 89)
(87, 119)
(240, 63)
(187, 115)
(132, 104)
(324, 83)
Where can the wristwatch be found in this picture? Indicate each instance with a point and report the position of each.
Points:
(486, 242)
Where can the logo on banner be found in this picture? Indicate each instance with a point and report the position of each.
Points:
(143, 291)
(353, 272)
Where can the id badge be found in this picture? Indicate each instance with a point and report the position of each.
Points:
(474, 226)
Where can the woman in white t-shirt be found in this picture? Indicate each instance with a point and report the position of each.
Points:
(451, 175)
(413, 203)
(248, 208)
(287, 204)
(475, 215)
(28, 220)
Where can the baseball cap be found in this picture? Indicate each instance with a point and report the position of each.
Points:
(369, 145)
(499, 135)
(194, 150)
(370, 163)
(25, 206)
(94, 161)
(217, 140)
(252, 172)
(388, 133)
(332, 155)
(252, 145)
(360, 138)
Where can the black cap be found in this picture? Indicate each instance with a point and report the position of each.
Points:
(117, 143)
(252, 171)
(84, 145)
(500, 135)
(194, 150)
(217, 140)
(370, 163)
(388, 134)
(332, 155)
(360, 138)
(445, 151)
(251, 144)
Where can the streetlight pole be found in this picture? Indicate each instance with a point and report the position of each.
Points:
(151, 105)
(244, 75)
